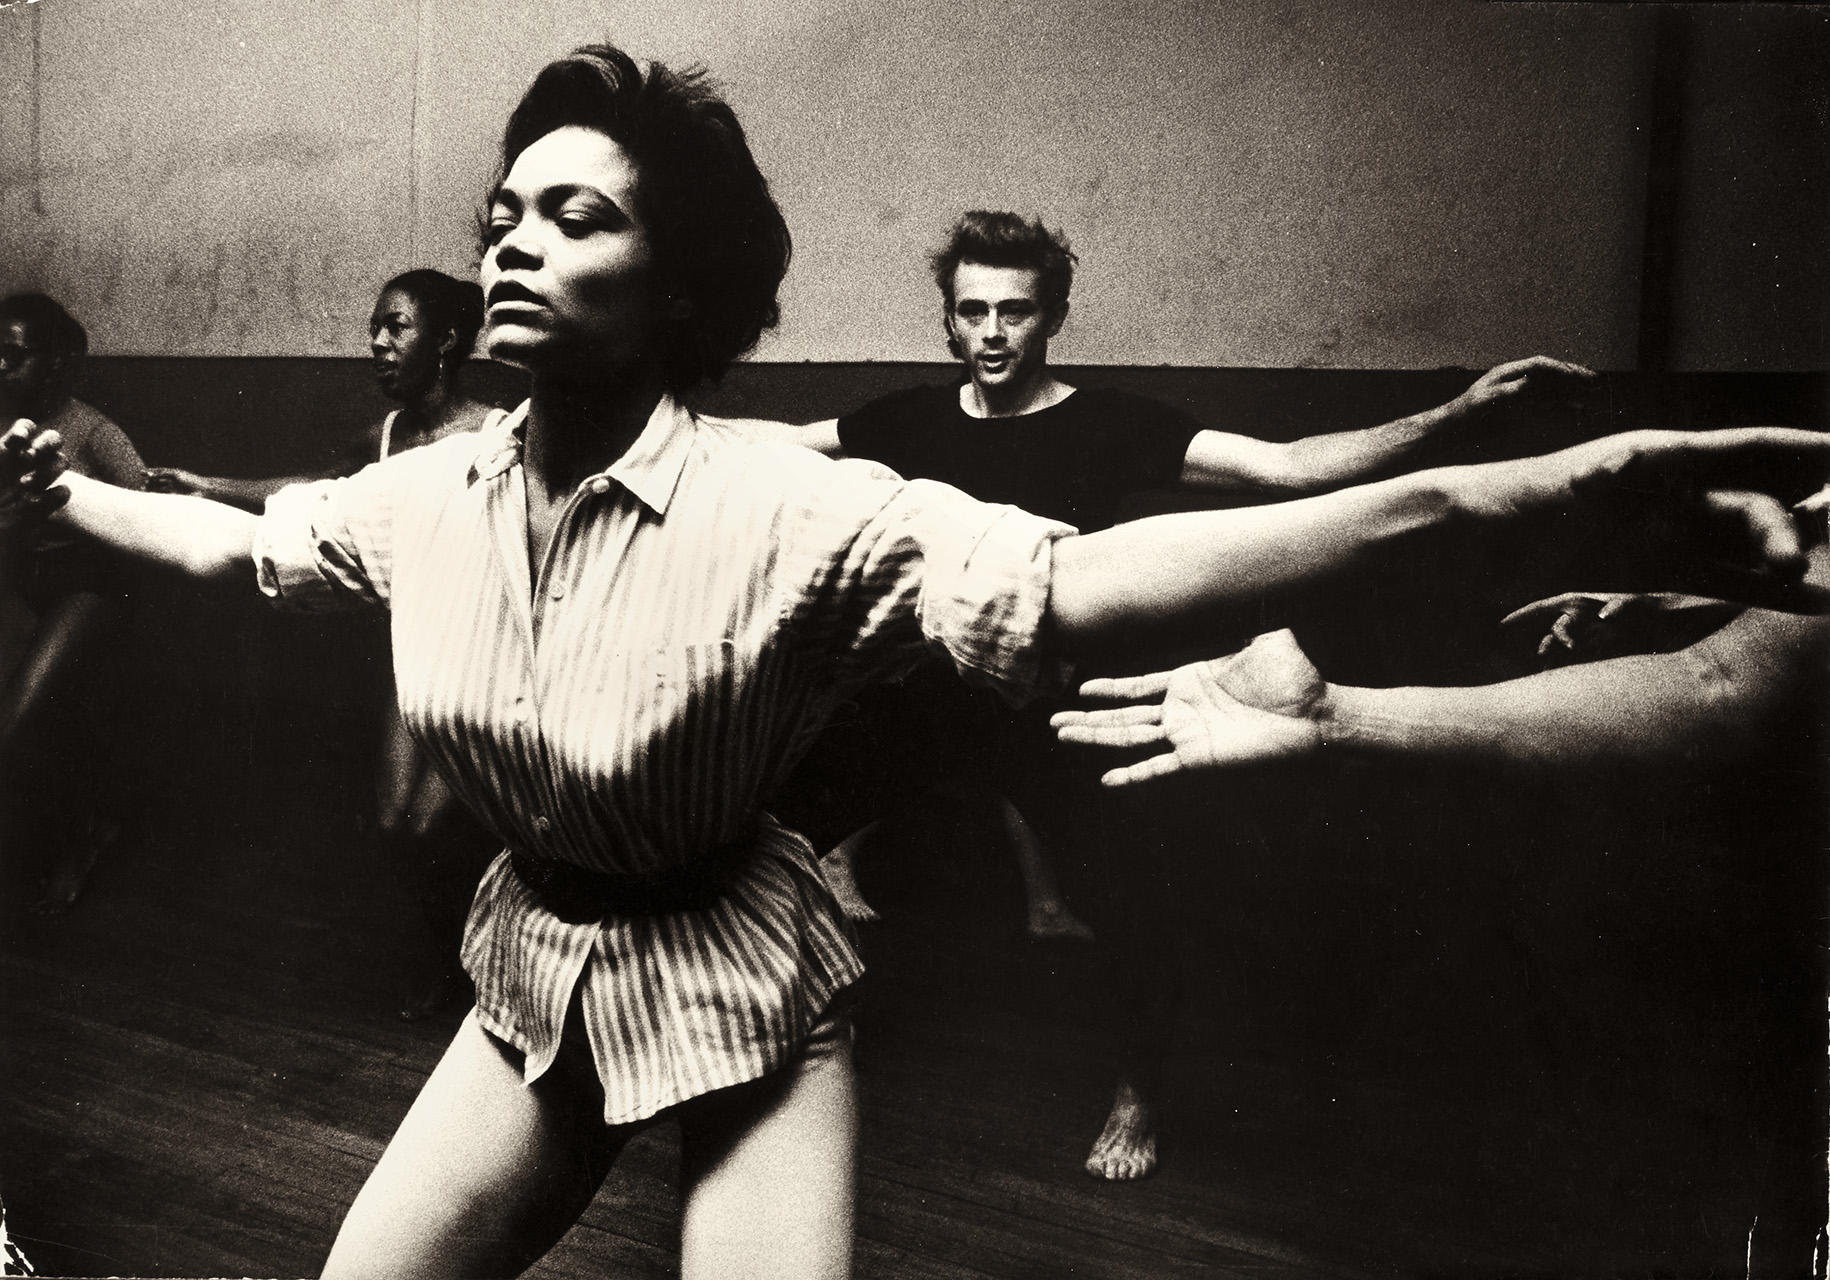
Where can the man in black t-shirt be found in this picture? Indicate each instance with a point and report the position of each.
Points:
(1011, 431)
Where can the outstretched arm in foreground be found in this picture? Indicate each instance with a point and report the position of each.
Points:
(1222, 462)
(1651, 510)
(191, 535)
(1720, 696)
(821, 436)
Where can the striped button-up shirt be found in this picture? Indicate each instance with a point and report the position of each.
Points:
(630, 704)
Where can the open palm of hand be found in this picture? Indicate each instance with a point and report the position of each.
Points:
(1266, 702)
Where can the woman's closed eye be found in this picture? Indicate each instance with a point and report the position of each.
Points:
(497, 227)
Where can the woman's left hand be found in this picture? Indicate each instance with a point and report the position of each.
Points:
(31, 460)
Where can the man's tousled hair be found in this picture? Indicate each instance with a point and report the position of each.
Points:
(993, 238)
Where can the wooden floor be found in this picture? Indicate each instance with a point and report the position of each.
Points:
(202, 1063)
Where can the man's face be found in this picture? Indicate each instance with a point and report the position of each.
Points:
(998, 320)
(29, 371)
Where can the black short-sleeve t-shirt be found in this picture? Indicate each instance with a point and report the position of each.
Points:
(1073, 462)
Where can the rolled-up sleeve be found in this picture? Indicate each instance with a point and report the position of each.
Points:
(932, 569)
(984, 598)
(327, 545)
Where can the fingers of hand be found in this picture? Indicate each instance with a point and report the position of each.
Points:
(1560, 632)
(1533, 611)
(1143, 771)
(1519, 374)
(18, 435)
(27, 451)
(1128, 688)
(1118, 727)
(1560, 368)
(43, 473)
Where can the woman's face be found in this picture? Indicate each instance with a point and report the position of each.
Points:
(405, 347)
(569, 272)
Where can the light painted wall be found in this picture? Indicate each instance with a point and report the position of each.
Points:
(1265, 182)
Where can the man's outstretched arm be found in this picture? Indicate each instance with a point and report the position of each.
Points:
(1221, 462)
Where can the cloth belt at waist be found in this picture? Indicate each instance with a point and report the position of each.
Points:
(578, 895)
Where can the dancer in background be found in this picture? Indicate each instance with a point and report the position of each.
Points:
(77, 594)
(421, 333)
(616, 626)
(1011, 430)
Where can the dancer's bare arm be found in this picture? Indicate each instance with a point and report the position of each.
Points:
(191, 535)
(1720, 696)
(1709, 512)
(1223, 462)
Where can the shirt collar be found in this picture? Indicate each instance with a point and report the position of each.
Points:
(650, 469)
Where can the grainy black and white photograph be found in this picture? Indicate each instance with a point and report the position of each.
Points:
(812, 639)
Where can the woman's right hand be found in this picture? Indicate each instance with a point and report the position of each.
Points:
(176, 480)
(31, 460)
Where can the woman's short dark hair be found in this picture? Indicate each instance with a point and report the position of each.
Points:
(995, 239)
(446, 303)
(48, 321)
(719, 237)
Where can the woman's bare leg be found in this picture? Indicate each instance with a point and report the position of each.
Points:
(485, 1174)
(770, 1171)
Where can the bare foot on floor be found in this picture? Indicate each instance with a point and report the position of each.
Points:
(1126, 1147)
(1053, 922)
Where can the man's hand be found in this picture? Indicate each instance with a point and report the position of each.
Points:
(31, 459)
(1584, 626)
(1534, 383)
(1266, 702)
(1701, 512)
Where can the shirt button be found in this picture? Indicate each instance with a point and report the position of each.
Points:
(521, 709)
(543, 824)
(600, 486)
(557, 590)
